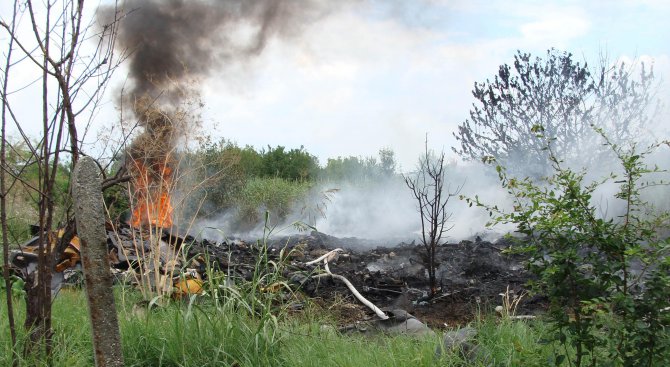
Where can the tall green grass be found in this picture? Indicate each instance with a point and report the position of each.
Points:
(198, 332)
(195, 336)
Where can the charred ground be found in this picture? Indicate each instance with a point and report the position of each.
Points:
(471, 274)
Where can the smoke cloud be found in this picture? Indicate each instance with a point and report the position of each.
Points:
(383, 212)
(174, 41)
(173, 45)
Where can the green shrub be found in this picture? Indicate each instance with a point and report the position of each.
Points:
(276, 195)
(602, 311)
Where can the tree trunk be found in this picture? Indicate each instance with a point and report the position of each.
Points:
(36, 316)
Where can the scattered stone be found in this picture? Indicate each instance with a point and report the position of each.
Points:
(399, 322)
(463, 341)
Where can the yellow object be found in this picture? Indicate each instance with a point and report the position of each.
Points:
(273, 288)
(70, 256)
(188, 287)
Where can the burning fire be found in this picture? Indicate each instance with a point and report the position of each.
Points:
(150, 163)
(152, 195)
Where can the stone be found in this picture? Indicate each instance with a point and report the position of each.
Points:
(463, 341)
(402, 322)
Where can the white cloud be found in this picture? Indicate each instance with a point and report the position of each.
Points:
(354, 84)
(556, 26)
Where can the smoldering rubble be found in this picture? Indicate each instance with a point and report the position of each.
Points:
(472, 275)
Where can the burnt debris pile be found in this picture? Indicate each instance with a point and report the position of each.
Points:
(471, 274)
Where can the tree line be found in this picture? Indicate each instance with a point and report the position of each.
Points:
(248, 180)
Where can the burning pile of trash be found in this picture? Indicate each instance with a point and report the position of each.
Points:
(471, 274)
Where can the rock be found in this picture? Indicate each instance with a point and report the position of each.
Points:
(401, 322)
(463, 341)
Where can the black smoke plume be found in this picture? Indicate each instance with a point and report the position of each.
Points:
(175, 41)
(174, 44)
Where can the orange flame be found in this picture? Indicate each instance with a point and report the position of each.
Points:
(152, 198)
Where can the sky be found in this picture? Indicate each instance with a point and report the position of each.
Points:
(359, 81)
(386, 74)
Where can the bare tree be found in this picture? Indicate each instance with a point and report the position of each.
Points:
(71, 61)
(432, 193)
(3, 190)
(555, 100)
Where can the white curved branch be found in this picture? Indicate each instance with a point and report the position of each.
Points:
(333, 255)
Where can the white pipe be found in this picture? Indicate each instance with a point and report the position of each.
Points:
(360, 297)
(331, 255)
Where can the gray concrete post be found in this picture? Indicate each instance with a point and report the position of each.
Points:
(90, 218)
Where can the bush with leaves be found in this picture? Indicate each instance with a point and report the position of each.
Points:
(359, 170)
(606, 279)
(276, 195)
(293, 164)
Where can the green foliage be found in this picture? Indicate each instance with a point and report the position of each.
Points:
(227, 157)
(276, 195)
(23, 199)
(294, 164)
(360, 170)
(175, 336)
(216, 174)
(117, 202)
(17, 285)
(606, 279)
(225, 176)
(513, 343)
(222, 177)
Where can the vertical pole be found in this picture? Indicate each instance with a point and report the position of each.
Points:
(89, 215)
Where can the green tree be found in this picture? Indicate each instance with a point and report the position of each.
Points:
(295, 164)
(359, 169)
(387, 162)
(348, 168)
